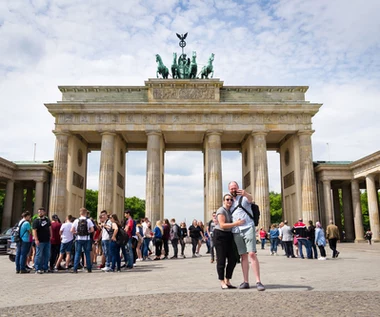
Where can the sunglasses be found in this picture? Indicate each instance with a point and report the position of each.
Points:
(229, 199)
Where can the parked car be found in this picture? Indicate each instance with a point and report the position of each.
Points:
(4, 236)
(11, 250)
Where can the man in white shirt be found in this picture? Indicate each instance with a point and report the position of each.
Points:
(106, 227)
(82, 227)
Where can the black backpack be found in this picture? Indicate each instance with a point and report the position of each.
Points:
(121, 236)
(82, 229)
(16, 232)
(255, 211)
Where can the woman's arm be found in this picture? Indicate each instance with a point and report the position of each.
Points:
(115, 230)
(224, 225)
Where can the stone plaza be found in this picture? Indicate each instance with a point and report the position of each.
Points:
(346, 286)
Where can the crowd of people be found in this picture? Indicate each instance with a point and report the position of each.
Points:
(47, 245)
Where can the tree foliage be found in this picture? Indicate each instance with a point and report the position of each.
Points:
(92, 202)
(136, 205)
(275, 203)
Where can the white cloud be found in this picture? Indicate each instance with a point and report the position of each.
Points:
(332, 46)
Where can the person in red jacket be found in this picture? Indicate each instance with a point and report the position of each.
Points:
(263, 237)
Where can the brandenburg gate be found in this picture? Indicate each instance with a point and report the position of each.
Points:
(184, 114)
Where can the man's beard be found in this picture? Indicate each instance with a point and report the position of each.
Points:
(234, 193)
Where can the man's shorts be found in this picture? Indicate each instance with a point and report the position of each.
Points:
(245, 240)
(66, 247)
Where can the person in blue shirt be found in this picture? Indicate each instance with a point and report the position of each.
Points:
(158, 232)
(274, 233)
(23, 247)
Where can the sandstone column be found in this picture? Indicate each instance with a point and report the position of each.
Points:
(29, 200)
(260, 170)
(39, 196)
(59, 181)
(214, 172)
(106, 173)
(357, 209)
(348, 213)
(8, 204)
(308, 187)
(373, 207)
(17, 202)
(328, 205)
(153, 177)
(337, 211)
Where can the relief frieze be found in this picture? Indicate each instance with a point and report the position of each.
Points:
(184, 93)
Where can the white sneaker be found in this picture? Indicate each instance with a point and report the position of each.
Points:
(323, 259)
(106, 269)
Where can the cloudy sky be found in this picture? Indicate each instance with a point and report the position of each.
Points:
(331, 46)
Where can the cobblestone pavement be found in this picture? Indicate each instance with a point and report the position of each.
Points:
(347, 286)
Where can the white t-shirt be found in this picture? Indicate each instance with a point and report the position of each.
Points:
(66, 234)
(89, 226)
(105, 234)
(144, 226)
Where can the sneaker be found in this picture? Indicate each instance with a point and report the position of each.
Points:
(165, 258)
(106, 269)
(101, 266)
(55, 270)
(39, 272)
(271, 253)
(260, 287)
(89, 271)
(24, 271)
(173, 257)
(17, 272)
(337, 253)
(322, 259)
(244, 285)
(194, 256)
(74, 271)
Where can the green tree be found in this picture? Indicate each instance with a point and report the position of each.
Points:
(136, 205)
(365, 213)
(275, 203)
(92, 202)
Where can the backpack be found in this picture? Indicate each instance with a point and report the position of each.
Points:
(255, 211)
(121, 236)
(15, 234)
(134, 228)
(82, 229)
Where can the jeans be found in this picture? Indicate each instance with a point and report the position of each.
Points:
(146, 247)
(263, 243)
(307, 244)
(314, 248)
(106, 251)
(175, 247)
(273, 244)
(166, 247)
(21, 254)
(115, 253)
(42, 256)
(288, 248)
(183, 245)
(86, 246)
(130, 254)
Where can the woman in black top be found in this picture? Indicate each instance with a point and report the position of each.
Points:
(223, 241)
(195, 233)
(182, 236)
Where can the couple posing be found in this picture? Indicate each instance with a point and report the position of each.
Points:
(234, 226)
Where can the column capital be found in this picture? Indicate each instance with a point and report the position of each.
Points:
(108, 132)
(371, 176)
(153, 132)
(326, 181)
(61, 132)
(214, 132)
(264, 133)
(305, 132)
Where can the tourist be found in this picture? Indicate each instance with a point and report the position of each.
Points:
(263, 237)
(224, 240)
(55, 241)
(148, 235)
(129, 227)
(320, 240)
(106, 225)
(195, 235)
(166, 237)
(245, 235)
(287, 240)
(210, 230)
(95, 243)
(174, 237)
(300, 231)
(158, 232)
(114, 245)
(42, 234)
(201, 238)
(140, 239)
(82, 227)
(332, 234)
(274, 234)
(23, 246)
(182, 238)
(368, 236)
(311, 235)
(67, 240)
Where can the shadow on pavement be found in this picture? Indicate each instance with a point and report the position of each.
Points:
(279, 286)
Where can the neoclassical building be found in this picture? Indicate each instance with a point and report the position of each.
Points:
(203, 115)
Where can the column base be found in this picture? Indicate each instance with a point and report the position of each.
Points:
(375, 240)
